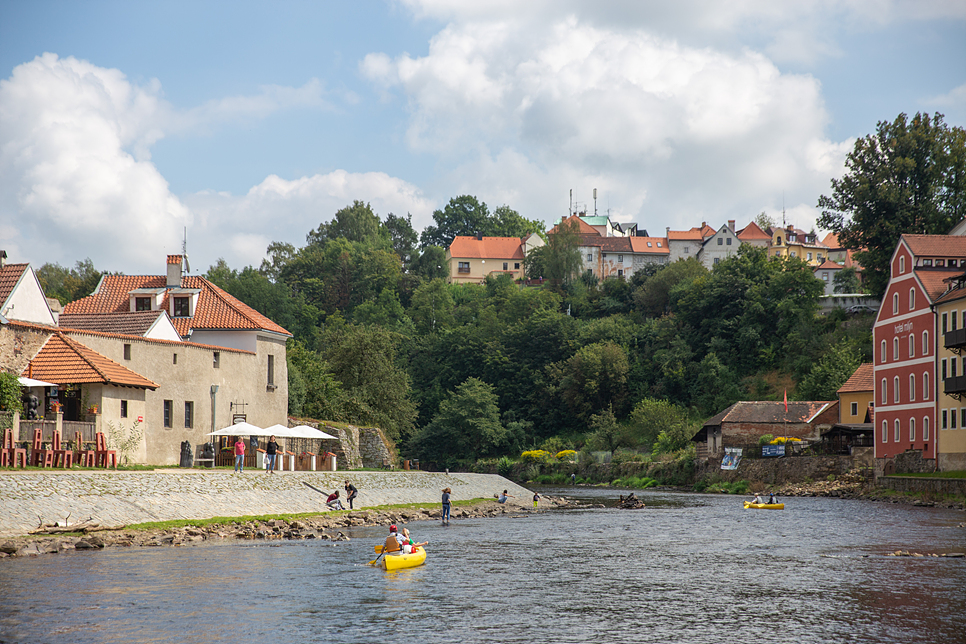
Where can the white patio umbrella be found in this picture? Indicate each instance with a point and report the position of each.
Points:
(304, 431)
(239, 429)
(30, 382)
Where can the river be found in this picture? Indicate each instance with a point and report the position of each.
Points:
(688, 568)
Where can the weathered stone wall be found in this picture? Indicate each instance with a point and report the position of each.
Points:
(358, 446)
(923, 485)
(18, 344)
(909, 462)
(795, 469)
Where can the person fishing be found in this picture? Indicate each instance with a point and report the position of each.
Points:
(333, 501)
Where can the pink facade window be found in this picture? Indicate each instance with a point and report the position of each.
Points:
(925, 428)
(885, 432)
(902, 264)
(912, 299)
(912, 429)
(912, 387)
(885, 354)
(925, 385)
(895, 387)
(895, 348)
(895, 303)
(895, 436)
(912, 345)
(925, 343)
(885, 393)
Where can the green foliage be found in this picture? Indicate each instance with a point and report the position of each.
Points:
(125, 441)
(463, 215)
(535, 456)
(595, 378)
(355, 223)
(908, 177)
(846, 280)
(765, 439)
(559, 259)
(830, 373)
(10, 392)
(724, 487)
(635, 482)
(650, 418)
(71, 284)
(504, 467)
(467, 426)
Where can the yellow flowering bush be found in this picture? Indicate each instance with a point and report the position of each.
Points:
(781, 440)
(566, 455)
(535, 456)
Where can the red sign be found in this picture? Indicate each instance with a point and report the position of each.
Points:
(140, 419)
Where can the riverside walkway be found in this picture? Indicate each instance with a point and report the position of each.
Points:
(120, 498)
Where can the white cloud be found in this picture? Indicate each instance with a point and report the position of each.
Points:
(671, 134)
(76, 179)
(952, 104)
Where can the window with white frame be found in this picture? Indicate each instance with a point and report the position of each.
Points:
(902, 265)
(912, 387)
(952, 418)
(945, 326)
(885, 432)
(885, 355)
(925, 428)
(962, 417)
(895, 388)
(854, 409)
(895, 433)
(912, 345)
(885, 393)
(925, 343)
(952, 321)
(925, 386)
(895, 348)
(943, 368)
(912, 299)
(895, 303)
(912, 429)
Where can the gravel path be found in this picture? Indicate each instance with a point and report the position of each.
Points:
(119, 498)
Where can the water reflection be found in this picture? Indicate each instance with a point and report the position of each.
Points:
(688, 568)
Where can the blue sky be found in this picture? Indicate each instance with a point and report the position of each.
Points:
(122, 123)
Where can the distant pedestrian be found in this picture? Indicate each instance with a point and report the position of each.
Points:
(573, 479)
(239, 455)
(536, 498)
(350, 493)
(446, 494)
(503, 497)
(333, 501)
(271, 451)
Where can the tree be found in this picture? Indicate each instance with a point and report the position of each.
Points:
(653, 298)
(830, 373)
(463, 215)
(593, 379)
(402, 236)
(764, 221)
(507, 222)
(10, 393)
(908, 177)
(68, 285)
(431, 307)
(279, 254)
(356, 223)
(559, 259)
(431, 263)
(467, 425)
(846, 281)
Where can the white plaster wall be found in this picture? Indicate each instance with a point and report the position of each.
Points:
(27, 301)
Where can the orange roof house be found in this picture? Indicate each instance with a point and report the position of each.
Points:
(583, 228)
(63, 360)
(856, 396)
(21, 295)
(471, 259)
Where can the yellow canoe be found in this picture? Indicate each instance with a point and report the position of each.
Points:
(764, 506)
(397, 560)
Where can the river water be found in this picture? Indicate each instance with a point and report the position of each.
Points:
(688, 568)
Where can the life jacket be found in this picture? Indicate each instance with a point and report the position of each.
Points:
(391, 544)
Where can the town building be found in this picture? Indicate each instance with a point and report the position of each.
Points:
(950, 311)
(471, 259)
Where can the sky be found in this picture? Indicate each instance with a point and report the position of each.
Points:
(126, 127)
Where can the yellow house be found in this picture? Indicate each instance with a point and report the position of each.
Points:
(857, 397)
(950, 311)
(794, 242)
(471, 259)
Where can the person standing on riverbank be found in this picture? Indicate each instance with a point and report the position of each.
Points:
(271, 450)
(536, 498)
(350, 493)
(446, 494)
(239, 455)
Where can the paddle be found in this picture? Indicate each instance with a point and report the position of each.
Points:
(373, 562)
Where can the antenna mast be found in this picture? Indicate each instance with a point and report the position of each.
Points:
(184, 250)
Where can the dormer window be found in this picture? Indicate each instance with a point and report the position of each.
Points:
(658, 244)
(182, 307)
(927, 262)
(142, 304)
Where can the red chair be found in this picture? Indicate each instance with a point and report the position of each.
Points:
(83, 457)
(10, 454)
(104, 457)
(62, 457)
(39, 455)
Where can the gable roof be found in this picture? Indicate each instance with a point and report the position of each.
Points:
(829, 265)
(936, 245)
(63, 360)
(680, 235)
(128, 323)
(658, 245)
(764, 412)
(753, 231)
(606, 244)
(832, 241)
(486, 248)
(215, 309)
(933, 280)
(860, 380)
(10, 276)
(583, 228)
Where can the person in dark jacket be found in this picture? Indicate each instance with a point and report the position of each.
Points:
(350, 493)
(271, 450)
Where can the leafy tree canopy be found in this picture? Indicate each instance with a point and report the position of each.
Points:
(908, 177)
(71, 284)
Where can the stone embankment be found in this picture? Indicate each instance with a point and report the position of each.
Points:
(114, 499)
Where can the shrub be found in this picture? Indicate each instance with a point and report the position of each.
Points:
(504, 467)
(566, 455)
(535, 456)
(765, 439)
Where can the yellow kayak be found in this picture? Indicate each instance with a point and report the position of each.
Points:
(764, 506)
(397, 560)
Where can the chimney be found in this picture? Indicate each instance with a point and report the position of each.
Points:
(668, 230)
(731, 225)
(479, 236)
(174, 271)
(3, 258)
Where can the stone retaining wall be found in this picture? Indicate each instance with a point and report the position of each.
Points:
(120, 498)
(927, 485)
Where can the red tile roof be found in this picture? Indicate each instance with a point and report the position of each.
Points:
(215, 310)
(486, 248)
(174, 259)
(799, 411)
(932, 280)
(607, 244)
(63, 360)
(694, 233)
(658, 245)
(936, 245)
(583, 227)
(832, 241)
(10, 274)
(752, 231)
(861, 380)
(828, 265)
(127, 323)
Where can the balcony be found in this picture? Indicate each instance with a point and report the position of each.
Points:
(955, 386)
(955, 340)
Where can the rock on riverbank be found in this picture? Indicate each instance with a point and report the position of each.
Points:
(329, 526)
